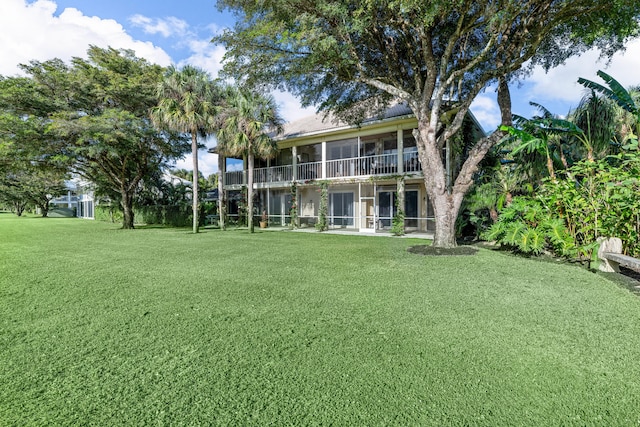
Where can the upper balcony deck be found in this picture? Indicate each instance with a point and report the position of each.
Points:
(354, 167)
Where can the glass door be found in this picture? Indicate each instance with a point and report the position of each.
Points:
(411, 209)
(341, 209)
(386, 208)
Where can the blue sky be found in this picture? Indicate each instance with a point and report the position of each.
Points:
(178, 32)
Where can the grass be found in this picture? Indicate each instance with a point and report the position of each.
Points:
(101, 326)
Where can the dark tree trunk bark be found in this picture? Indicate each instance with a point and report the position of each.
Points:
(44, 208)
(446, 208)
(19, 207)
(447, 199)
(127, 211)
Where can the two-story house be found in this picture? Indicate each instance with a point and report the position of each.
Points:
(365, 167)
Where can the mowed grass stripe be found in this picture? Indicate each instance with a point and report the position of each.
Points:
(159, 326)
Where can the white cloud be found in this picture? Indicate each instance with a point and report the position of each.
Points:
(205, 55)
(486, 111)
(290, 108)
(32, 31)
(207, 162)
(560, 83)
(170, 26)
(558, 89)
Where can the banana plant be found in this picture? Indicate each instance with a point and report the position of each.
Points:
(623, 98)
(544, 135)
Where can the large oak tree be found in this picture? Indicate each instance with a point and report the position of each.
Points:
(434, 55)
(102, 119)
(32, 167)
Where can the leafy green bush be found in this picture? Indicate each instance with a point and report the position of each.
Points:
(397, 227)
(593, 199)
(529, 226)
(107, 213)
(175, 216)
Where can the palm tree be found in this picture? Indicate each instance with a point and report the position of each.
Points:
(188, 104)
(246, 122)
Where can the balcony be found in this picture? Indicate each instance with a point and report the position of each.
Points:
(383, 164)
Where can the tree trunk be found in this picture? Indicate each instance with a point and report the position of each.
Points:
(44, 208)
(446, 208)
(19, 207)
(250, 191)
(222, 202)
(446, 199)
(194, 154)
(127, 211)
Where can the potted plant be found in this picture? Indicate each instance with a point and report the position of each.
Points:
(264, 220)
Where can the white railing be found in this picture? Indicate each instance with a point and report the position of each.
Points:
(411, 162)
(273, 174)
(382, 164)
(281, 173)
(307, 171)
(342, 167)
(233, 178)
(260, 175)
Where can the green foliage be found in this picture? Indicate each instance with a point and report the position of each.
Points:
(625, 100)
(528, 225)
(97, 114)
(107, 213)
(243, 207)
(323, 210)
(594, 199)
(247, 122)
(615, 91)
(188, 103)
(397, 224)
(174, 216)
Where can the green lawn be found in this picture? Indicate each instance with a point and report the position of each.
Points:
(101, 326)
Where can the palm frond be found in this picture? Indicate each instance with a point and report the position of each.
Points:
(615, 91)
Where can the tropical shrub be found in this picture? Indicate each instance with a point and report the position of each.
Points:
(528, 225)
(594, 199)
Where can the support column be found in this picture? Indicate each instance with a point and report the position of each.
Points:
(294, 163)
(324, 159)
(400, 150)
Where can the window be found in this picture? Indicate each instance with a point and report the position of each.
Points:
(342, 149)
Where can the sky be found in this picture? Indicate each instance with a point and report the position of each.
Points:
(179, 32)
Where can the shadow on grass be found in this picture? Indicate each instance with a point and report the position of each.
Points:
(430, 250)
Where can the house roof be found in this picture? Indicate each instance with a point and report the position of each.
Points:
(320, 123)
(317, 123)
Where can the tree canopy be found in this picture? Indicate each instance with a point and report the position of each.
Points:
(97, 111)
(356, 57)
(32, 167)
